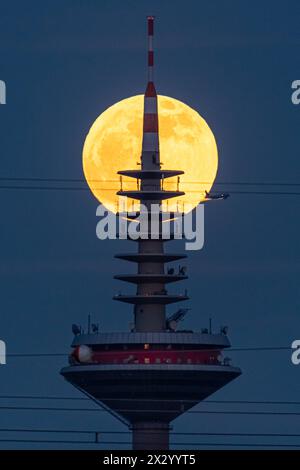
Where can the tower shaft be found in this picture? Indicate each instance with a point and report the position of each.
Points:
(148, 315)
(150, 435)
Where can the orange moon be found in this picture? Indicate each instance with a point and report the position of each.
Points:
(114, 143)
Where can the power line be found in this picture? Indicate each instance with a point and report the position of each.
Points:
(215, 444)
(273, 193)
(261, 348)
(46, 441)
(71, 188)
(37, 355)
(83, 180)
(45, 408)
(61, 431)
(101, 432)
(231, 402)
(35, 187)
(51, 188)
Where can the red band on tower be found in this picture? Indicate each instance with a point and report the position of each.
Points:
(150, 90)
(150, 123)
(150, 25)
(150, 58)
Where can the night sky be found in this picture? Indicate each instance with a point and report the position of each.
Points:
(64, 62)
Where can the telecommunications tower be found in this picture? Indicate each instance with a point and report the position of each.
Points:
(154, 373)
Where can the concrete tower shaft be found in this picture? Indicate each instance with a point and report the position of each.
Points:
(151, 293)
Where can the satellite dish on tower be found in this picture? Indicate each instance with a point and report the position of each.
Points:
(76, 330)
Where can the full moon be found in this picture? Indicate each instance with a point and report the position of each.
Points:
(114, 143)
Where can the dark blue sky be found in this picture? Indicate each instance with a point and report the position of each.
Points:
(64, 63)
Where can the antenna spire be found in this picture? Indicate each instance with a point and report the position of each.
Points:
(150, 146)
(150, 20)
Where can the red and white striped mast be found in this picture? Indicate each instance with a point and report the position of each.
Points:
(151, 295)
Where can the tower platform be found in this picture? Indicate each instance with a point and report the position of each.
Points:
(142, 375)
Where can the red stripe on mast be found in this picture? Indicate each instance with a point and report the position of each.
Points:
(150, 25)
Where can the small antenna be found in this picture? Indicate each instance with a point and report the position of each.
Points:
(150, 21)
